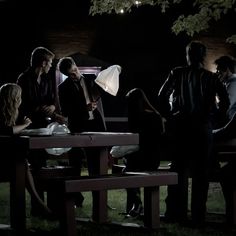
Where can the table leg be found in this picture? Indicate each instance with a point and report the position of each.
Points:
(152, 207)
(100, 197)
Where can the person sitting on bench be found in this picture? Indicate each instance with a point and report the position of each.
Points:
(10, 100)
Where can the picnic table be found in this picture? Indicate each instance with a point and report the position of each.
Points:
(22, 144)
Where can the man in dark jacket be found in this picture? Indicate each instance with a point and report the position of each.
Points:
(39, 94)
(39, 101)
(188, 96)
(81, 103)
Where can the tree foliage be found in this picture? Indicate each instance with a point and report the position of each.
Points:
(204, 12)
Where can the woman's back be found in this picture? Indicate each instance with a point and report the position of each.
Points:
(144, 119)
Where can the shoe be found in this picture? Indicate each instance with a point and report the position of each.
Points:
(136, 210)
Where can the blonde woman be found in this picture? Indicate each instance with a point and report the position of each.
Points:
(10, 100)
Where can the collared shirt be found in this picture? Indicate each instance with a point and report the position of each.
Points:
(87, 96)
(80, 84)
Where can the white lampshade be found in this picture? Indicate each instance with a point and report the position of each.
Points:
(108, 79)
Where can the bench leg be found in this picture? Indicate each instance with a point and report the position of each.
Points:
(100, 206)
(151, 207)
(67, 217)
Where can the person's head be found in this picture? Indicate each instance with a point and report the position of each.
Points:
(138, 102)
(195, 53)
(10, 100)
(225, 66)
(41, 57)
(138, 106)
(68, 67)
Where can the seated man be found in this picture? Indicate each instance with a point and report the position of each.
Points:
(226, 71)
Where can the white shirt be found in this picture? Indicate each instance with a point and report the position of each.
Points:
(87, 97)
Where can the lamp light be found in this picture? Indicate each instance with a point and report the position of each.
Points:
(108, 79)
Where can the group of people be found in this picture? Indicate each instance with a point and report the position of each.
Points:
(191, 104)
(35, 100)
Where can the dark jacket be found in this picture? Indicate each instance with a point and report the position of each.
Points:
(193, 92)
(145, 120)
(35, 96)
(73, 105)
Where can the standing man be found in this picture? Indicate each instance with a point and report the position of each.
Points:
(39, 102)
(80, 102)
(188, 96)
(39, 94)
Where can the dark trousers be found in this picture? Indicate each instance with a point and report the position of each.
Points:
(192, 145)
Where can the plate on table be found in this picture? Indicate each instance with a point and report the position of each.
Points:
(36, 132)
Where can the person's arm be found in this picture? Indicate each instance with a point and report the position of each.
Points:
(47, 110)
(164, 95)
(20, 127)
(223, 97)
(59, 118)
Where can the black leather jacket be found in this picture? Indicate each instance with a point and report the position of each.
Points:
(190, 93)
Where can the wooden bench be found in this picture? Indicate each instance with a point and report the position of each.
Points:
(67, 189)
(149, 181)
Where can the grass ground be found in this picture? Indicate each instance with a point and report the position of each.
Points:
(117, 200)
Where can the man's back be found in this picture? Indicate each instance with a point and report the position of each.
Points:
(193, 92)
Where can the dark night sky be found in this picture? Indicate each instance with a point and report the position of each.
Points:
(128, 39)
(141, 41)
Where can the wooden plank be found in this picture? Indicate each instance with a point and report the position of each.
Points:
(120, 181)
(149, 180)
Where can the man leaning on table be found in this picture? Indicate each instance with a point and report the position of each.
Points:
(81, 103)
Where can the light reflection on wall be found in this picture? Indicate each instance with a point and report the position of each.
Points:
(216, 47)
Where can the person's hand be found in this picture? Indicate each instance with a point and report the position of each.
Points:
(27, 121)
(92, 106)
(48, 110)
(60, 119)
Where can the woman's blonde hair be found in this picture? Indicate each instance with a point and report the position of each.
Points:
(10, 100)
